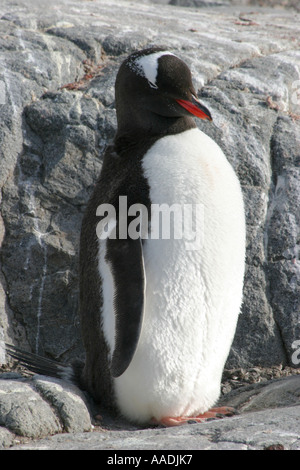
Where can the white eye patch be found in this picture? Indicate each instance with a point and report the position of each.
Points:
(147, 66)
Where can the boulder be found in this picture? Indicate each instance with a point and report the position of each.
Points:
(41, 406)
(264, 430)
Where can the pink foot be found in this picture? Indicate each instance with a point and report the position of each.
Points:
(220, 412)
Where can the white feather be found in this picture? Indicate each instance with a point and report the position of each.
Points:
(108, 291)
(147, 65)
(193, 297)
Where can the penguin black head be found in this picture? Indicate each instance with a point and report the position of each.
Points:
(154, 84)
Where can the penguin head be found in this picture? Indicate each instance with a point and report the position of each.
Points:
(156, 82)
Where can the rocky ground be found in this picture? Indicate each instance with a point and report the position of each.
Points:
(43, 413)
(58, 62)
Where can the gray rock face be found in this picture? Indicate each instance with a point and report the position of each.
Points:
(58, 63)
(57, 71)
(38, 407)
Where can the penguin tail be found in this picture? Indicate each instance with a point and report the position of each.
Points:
(41, 365)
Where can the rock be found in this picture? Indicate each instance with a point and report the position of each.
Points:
(6, 438)
(252, 431)
(58, 119)
(239, 3)
(68, 401)
(24, 412)
(57, 69)
(269, 415)
(261, 396)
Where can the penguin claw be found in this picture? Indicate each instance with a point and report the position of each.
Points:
(224, 410)
(213, 413)
(169, 421)
(219, 412)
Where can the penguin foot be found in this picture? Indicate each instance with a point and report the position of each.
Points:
(213, 413)
(218, 412)
(177, 421)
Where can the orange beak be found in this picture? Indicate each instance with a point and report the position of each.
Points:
(196, 108)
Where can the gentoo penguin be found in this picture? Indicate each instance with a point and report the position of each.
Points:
(159, 313)
(158, 318)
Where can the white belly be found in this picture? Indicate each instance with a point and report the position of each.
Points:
(193, 296)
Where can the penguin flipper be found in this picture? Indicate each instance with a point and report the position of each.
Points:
(127, 264)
